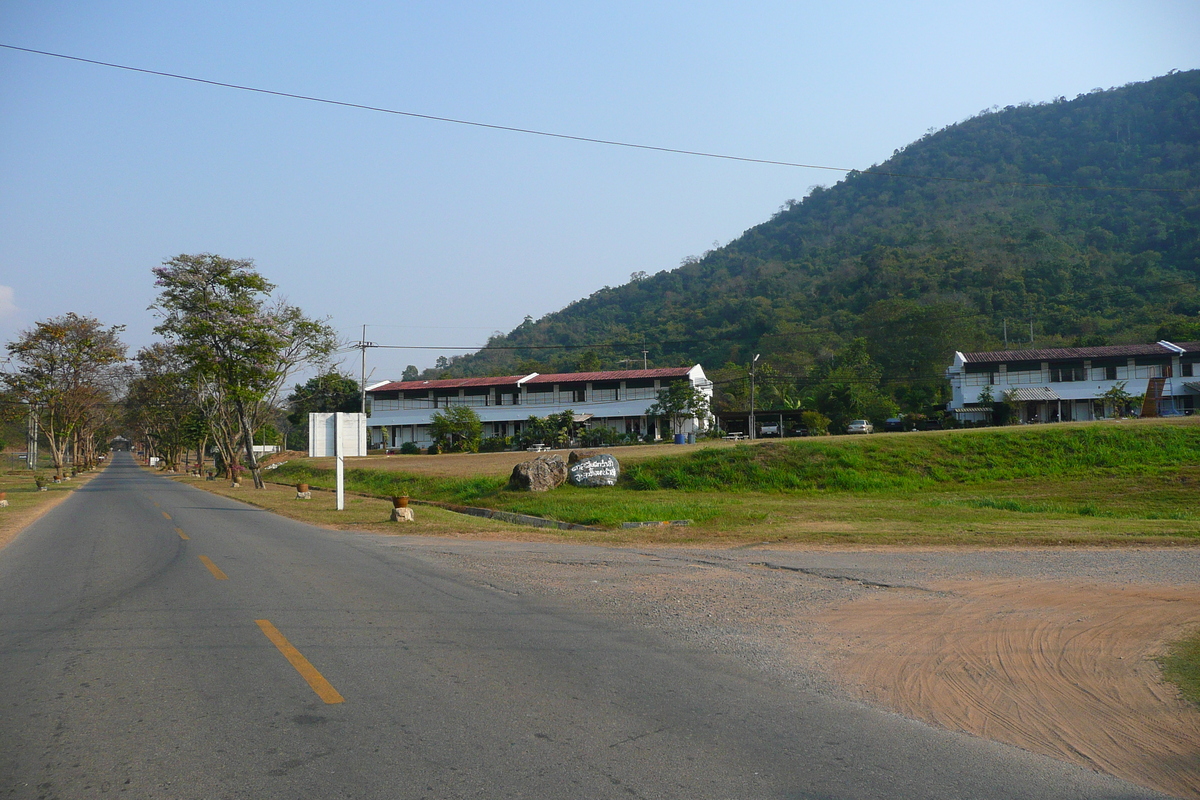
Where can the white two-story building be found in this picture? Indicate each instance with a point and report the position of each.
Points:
(401, 411)
(1069, 383)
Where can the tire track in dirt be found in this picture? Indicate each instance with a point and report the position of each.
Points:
(1056, 668)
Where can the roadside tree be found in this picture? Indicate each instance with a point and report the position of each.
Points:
(239, 346)
(66, 371)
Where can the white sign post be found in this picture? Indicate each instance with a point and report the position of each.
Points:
(337, 435)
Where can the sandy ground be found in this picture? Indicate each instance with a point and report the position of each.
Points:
(1052, 667)
(1048, 650)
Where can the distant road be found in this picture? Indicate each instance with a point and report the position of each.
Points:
(160, 641)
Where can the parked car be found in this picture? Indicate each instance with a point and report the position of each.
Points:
(893, 425)
(797, 430)
(769, 430)
(860, 426)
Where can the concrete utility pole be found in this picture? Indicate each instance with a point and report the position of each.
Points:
(753, 427)
(31, 439)
(363, 345)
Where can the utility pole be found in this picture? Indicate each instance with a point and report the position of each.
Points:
(31, 440)
(645, 360)
(753, 427)
(363, 345)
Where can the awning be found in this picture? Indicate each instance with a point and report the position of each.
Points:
(1031, 394)
(1192, 385)
(583, 417)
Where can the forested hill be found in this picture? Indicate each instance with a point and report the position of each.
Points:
(1035, 213)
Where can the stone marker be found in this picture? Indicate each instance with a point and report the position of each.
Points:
(601, 470)
(402, 515)
(539, 475)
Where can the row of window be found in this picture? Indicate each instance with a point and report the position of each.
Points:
(563, 397)
(1073, 373)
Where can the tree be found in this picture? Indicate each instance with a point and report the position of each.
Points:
(847, 387)
(410, 373)
(554, 430)
(588, 362)
(680, 402)
(1119, 398)
(161, 403)
(67, 374)
(330, 391)
(456, 429)
(239, 347)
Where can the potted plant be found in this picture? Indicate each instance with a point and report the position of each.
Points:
(400, 501)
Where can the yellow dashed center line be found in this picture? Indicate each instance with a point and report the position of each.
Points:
(165, 514)
(214, 569)
(182, 535)
(316, 680)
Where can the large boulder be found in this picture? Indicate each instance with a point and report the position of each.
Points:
(539, 475)
(599, 470)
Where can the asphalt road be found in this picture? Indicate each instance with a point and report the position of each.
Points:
(263, 658)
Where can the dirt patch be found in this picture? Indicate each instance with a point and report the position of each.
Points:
(1067, 671)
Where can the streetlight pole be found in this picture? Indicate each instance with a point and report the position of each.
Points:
(753, 431)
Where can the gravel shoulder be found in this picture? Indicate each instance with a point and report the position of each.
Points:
(1051, 650)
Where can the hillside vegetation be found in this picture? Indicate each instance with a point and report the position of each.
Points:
(1050, 217)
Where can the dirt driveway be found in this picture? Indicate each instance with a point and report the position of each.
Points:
(1051, 650)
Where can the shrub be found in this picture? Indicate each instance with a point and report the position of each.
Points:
(598, 436)
(495, 444)
(816, 422)
(410, 449)
(433, 449)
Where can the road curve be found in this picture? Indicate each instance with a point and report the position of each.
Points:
(160, 641)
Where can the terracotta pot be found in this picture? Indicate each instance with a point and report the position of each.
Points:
(301, 487)
(400, 502)
(3, 495)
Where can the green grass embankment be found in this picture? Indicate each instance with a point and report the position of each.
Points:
(912, 463)
(1101, 482)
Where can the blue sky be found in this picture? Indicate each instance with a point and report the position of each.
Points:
(436, 234)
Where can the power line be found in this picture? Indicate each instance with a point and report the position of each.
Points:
(589, 139)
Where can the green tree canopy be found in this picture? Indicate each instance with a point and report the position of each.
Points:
(66, 370)
(456, 429)
(239, 345)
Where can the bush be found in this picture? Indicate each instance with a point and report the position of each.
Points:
(495, 444)
(432, 450)
(410, 449)
(598, 436)
(816, 422)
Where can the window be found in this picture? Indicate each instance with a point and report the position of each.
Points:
(1110, 373)
(1187, 369)
(1066, 374)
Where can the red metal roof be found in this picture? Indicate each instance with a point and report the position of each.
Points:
(618, 375)
(448, 383)
(1068, 353)
(511, 380)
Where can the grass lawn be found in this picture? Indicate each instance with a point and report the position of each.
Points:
(1094, 483)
